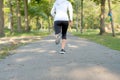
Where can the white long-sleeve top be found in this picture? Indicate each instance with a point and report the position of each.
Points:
(60, 11)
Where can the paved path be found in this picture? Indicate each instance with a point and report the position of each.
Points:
(40, 60)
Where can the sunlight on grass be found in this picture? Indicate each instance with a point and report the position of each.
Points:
(32, 33)
(106, 39)
(5, 51)
(19, 39)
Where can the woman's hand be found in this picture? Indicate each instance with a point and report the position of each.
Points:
(70, 23)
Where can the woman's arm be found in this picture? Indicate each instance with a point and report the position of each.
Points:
(53, 11)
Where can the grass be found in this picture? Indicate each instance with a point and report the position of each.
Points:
(106, 39)
(32, 33)
(4, 51)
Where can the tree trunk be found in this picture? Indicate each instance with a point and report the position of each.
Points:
(77, 14)
(81, 16)
(27, 28)
(77, 18)
(102, 17)
(18, 16)
(111, 18)
(1, 19)
(11, 17)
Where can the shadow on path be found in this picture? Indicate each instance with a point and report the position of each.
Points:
(40, 60)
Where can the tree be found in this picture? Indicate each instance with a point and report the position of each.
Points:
(18, 16)
(111, 18)
(37, 11)
(27, 28)
(11, 16)
(47, 7)
(1, 19)
(102, 17)
(77, 5)
(81, 16)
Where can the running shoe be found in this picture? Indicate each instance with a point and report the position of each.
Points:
(62, 51)
(57, 41)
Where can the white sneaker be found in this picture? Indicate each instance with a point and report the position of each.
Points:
(58, 37)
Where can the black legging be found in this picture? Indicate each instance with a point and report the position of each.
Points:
(61, 26)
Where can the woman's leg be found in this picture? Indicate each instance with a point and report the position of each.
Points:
(63, 43)
(57, 29)
(64, 34)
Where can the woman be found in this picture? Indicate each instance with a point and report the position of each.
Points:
(62, 12)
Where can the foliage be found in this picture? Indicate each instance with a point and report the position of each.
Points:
(99, 1)
(91, 20)
(39, 13)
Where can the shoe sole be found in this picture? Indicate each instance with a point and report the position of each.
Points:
(62, 52)
(57, 41)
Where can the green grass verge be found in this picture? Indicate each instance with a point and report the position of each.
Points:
(106, 39)
(5, 50)
(32, 33)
